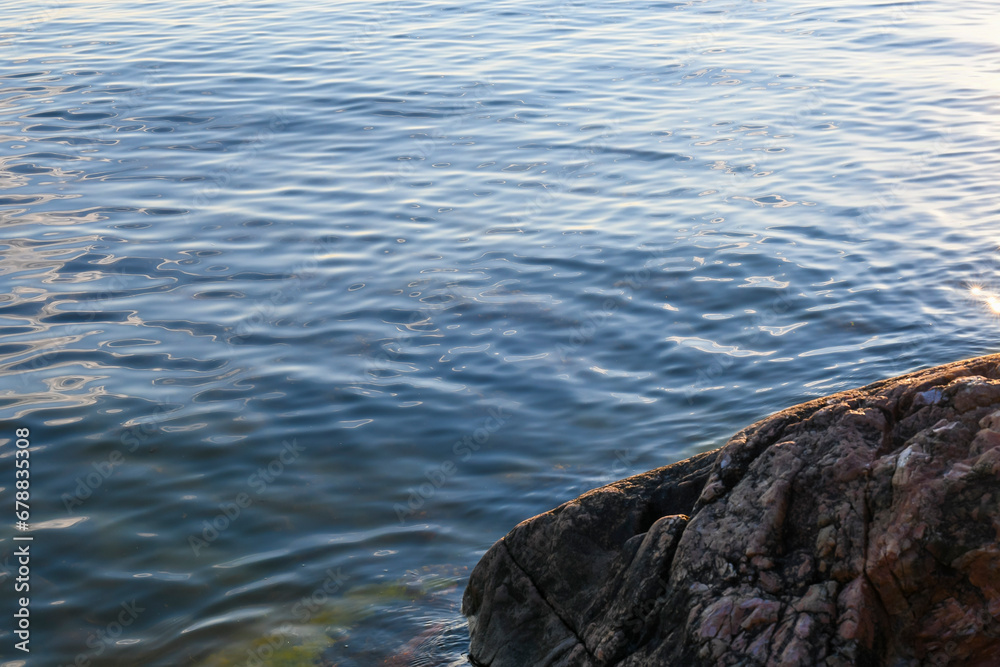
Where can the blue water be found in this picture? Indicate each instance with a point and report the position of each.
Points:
(307, 304)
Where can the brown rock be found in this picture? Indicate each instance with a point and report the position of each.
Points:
(858, 529)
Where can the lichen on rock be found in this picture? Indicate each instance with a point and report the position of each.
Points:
(858, 529)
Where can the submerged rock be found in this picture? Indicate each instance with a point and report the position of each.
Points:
(858, 529)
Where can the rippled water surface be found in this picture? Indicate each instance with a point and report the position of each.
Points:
(307, 304)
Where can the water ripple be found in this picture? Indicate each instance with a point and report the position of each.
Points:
(305, 304)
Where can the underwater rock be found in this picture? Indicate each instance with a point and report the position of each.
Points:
(858, 529)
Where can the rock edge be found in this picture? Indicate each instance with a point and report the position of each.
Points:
(862, 528)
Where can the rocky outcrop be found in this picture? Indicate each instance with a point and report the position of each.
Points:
(858, 529)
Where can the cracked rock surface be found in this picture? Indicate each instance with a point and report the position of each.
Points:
(858, 529)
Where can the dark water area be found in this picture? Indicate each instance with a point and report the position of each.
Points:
(304, 305)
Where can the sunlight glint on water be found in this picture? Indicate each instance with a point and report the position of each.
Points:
(305, 305)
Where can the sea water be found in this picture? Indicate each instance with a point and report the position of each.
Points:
(306, 304)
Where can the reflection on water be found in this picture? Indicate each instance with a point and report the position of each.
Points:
(306, 305)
